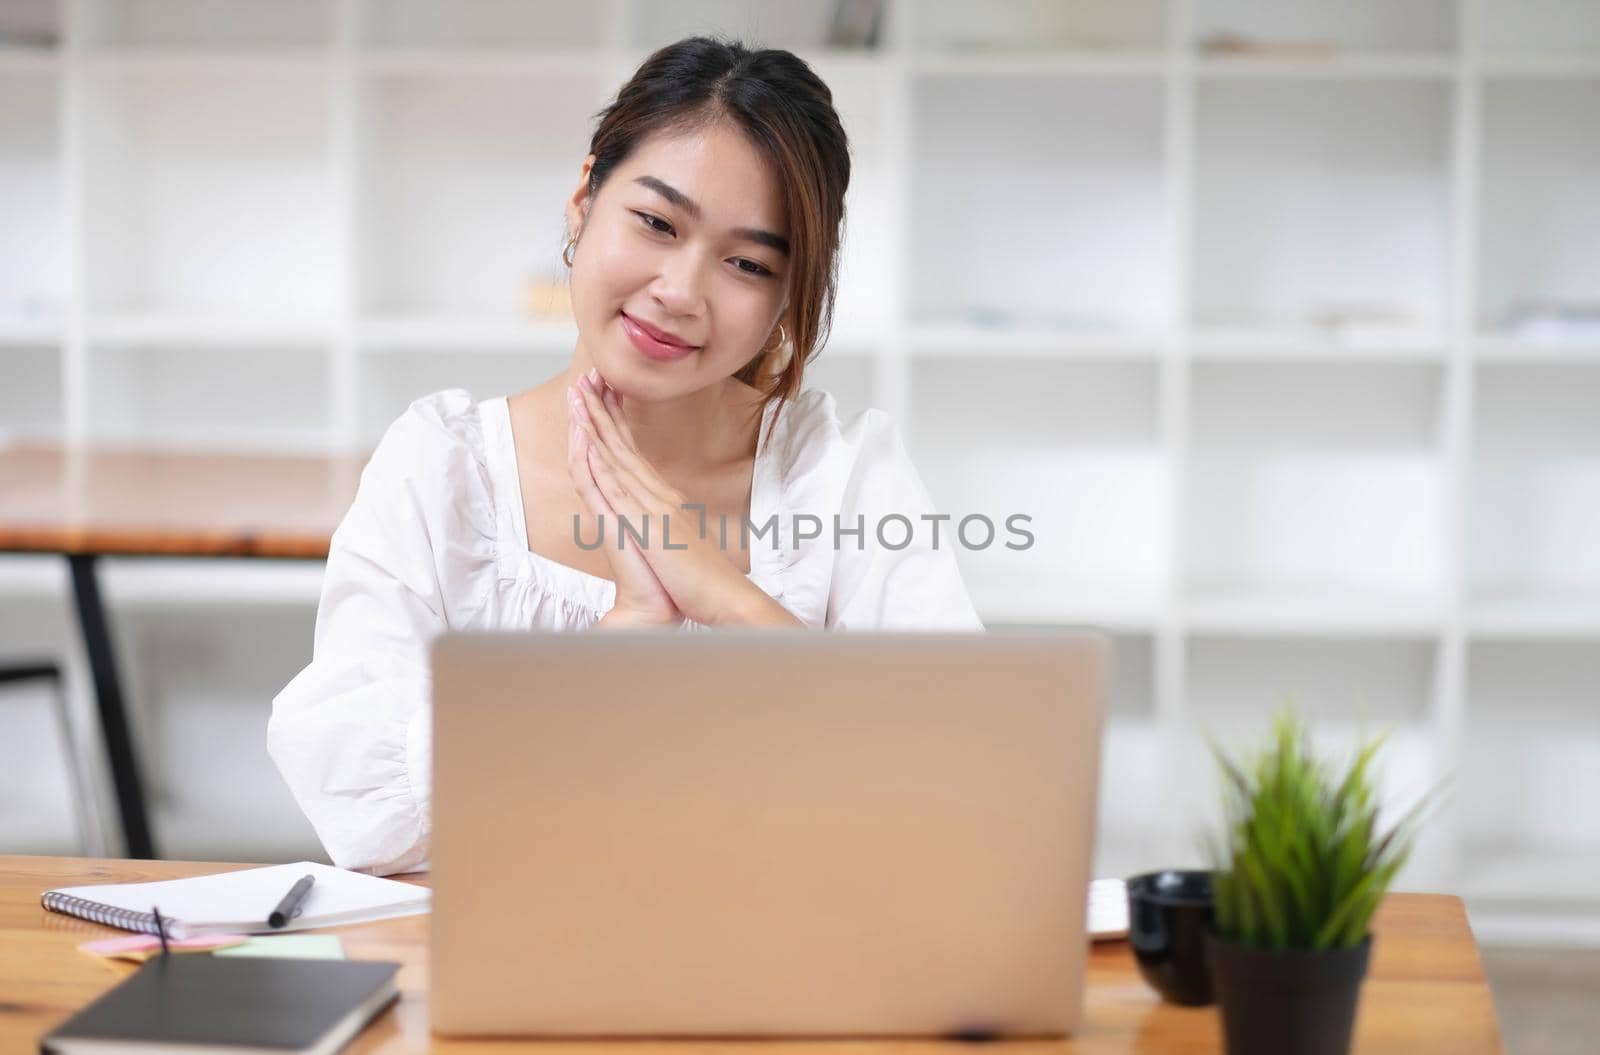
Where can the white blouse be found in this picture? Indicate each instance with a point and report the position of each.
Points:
(436, 540)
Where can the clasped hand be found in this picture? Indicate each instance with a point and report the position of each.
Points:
(656, 586)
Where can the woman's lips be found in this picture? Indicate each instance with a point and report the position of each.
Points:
(649, 346)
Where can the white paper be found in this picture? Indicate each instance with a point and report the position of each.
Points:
(239, 902)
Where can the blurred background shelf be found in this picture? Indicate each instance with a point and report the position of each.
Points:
(1315, 614)
(1278, 320)
(1534, 616)
(962, 341)
(1350, 344)
(1343, 66)
(481, 333)
(1040, 65)
(219, 331)
(1492, 348)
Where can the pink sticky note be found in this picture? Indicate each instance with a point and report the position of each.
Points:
(143, 946)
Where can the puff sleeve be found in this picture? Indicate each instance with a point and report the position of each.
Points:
(874, 586)
(351, 734)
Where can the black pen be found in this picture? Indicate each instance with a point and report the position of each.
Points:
(292, 902)
(161, 932)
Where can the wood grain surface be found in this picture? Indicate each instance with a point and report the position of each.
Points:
(172, 503)
(1425, 995)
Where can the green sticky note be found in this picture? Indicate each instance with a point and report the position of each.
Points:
(290, 947)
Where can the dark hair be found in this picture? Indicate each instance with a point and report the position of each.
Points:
(787, 112)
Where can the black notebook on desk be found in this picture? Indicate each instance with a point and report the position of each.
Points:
(200, 1003)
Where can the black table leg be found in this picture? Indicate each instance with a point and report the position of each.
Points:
(113, 715)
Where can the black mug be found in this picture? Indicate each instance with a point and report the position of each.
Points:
(1169, 915)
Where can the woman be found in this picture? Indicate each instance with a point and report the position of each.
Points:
(703, 245)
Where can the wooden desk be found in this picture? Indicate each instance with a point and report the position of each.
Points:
(1425, 995)
(85, 503)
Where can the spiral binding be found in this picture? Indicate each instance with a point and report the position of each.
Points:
(110, 915)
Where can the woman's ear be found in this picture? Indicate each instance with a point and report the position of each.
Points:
(578, 204)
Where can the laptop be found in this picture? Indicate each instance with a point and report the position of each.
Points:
(761, 834)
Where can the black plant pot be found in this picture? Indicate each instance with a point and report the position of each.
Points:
(1296, 1001)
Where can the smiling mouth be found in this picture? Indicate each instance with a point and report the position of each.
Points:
(658, 336)
(651, 346)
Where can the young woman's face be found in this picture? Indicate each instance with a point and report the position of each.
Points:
(681, 269)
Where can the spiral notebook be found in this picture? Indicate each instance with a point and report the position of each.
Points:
(239, 902)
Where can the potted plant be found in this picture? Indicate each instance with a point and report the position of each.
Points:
(1302, 868)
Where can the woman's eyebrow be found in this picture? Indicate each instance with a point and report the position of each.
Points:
(689, 205)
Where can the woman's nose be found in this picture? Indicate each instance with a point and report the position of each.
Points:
(679, 286)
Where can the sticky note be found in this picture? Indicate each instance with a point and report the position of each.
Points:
(290, 947)
(140, 947)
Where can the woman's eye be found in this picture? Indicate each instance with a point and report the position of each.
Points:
(753, 269)
(652, 222)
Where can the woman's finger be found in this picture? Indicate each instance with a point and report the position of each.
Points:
(620, 490)
(622, 450)
(638, 588)
(642, 479)
(613, 403)
(582, 475)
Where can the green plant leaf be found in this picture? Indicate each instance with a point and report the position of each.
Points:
(1300, 861)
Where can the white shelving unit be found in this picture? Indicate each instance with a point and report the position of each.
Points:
(1220, 292)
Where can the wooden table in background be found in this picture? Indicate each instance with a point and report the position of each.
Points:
(1426, 993)
(87, 503)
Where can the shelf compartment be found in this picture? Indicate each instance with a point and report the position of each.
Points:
(26, 332)
(472, 333)
(31, 402)
(1321, 203)
(1544, 880)
(19, 63)
(267, 398)
(865, 309)
(33, 275)
(464, 184)
(205, 24)
(480, 25)
(1317, 482)
(757, 23)
(30, 28)
(208, 195)
(209, 330)
(1077, 238)
(1073, 445)
(1540, 235)
(393, 380)
(1346, 690)
(1537, 617)
(1575, 350)
(1320, 615)
(1314, 27)
(1020, 29)
(1334, 67)
(1332, 344)
(1010, 598)
(1535, 483)
(300, 63)
(1539, 67)
(1530, 761)
(1133, 797)
(1041, 65)
(448, 63)
(1533, 29)
(981, 342)
(850, 380)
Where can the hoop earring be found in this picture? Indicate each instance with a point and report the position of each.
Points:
(566, 253)
(783, 337)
